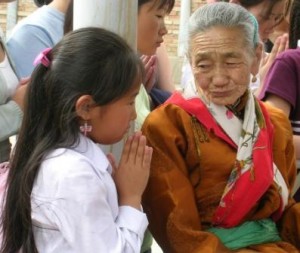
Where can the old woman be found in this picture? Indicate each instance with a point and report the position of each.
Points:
(223, 165)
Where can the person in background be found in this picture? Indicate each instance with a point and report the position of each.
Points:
(281, 28)
(150, 31)
(11, 101)
(282, 86)
(41, 29)
(286, 27)
(63, 193)
(269, 13)
(223, 162)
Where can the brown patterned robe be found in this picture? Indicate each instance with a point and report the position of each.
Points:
(189, 170)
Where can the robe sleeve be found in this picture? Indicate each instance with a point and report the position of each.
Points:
(284, 158)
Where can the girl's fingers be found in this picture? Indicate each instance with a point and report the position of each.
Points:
(140, 151)
(152, 78)
(126, 150)
(149, 74)
(147, 157)
(287, 39)
(274, 50)
(282, 44)
(149, 61)
(134, 148)
(144, 59)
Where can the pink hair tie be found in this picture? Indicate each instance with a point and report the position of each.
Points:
(43, 58)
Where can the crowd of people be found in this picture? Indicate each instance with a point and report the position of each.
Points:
(210, 169)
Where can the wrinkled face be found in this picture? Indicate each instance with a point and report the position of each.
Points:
(221, 64)
(110, 122)
(267, 21)
(151, 27)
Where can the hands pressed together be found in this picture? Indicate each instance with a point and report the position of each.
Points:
(132, 173)
(150, 64)
(281, 44)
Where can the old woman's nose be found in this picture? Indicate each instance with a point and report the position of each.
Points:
(220, 77)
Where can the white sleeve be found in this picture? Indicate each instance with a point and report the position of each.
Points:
(86, 213)
(10, 119)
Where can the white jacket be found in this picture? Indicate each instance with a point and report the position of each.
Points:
(75, 205)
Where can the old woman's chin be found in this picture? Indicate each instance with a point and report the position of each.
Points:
(226, 98)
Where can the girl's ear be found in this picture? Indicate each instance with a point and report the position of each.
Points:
(257, 58)
(83, 107)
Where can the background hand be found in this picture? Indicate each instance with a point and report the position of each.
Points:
(25, 80)
(150, 64)
(19, 95)
(280, 45)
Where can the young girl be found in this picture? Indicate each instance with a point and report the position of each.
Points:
(63, 195)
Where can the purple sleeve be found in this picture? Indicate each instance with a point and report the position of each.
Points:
(281, 81)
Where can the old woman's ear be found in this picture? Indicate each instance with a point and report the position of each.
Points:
(257, 59)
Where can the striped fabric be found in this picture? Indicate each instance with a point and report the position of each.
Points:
(296, 127)
(297, 184)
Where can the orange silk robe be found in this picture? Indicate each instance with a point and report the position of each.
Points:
(189, 170)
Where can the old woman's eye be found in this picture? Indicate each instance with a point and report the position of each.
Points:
(232, 64)
(203, 66)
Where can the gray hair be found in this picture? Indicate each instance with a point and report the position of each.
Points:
(226, 15)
